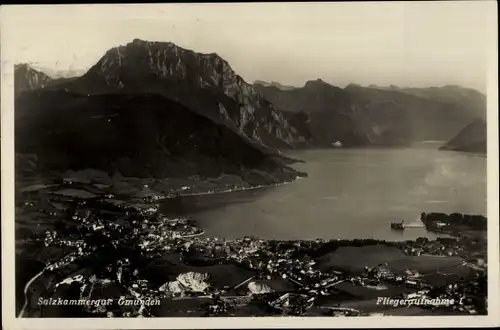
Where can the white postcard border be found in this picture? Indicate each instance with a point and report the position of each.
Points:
(8, 45)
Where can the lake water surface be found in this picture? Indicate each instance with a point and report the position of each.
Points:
(351, 193)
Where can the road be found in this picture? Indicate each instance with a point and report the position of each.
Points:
(26, 289)
(193, 235)
(333, 284)
(438, 271)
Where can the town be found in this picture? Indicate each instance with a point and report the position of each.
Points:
(99, 248)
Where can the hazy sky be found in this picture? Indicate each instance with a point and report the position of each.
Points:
(402, 43)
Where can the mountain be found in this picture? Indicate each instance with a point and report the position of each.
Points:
(204, 83)
(452, 94)
(409, 117)
(359, 115)
(315, 96)
(271, 115)
(472, 138)
(141, 136)
(323, 110)
(26, 78)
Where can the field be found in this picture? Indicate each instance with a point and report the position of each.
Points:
(354, 259)
(425, 264)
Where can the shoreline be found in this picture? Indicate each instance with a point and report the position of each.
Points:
(157, 201)
(238, 189)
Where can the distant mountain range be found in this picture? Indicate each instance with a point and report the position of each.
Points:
(156, 109)
(452, 94)
(273, 84)
(358, 115)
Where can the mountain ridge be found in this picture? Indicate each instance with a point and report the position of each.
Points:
(371, 116)
(140, 136)
(453, 94)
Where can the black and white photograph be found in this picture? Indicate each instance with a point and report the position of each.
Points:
(256, 161)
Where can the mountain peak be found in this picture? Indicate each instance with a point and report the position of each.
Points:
(146, 43)
(314, 83)
(317, 84)
(139, 41)
(25, 67)
(141, 59)
(27, 78)
(353, 85)
(21, 66)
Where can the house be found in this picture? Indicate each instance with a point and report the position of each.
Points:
(411, 295)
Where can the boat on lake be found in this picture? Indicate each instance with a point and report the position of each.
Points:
(398, 225)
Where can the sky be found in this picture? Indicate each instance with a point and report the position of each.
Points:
(401, 43)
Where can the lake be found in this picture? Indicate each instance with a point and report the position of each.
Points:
(351, 193)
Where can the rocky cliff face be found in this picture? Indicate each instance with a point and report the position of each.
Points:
(357, 115)
(203, 82)
(26, 78)
(472, 138)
